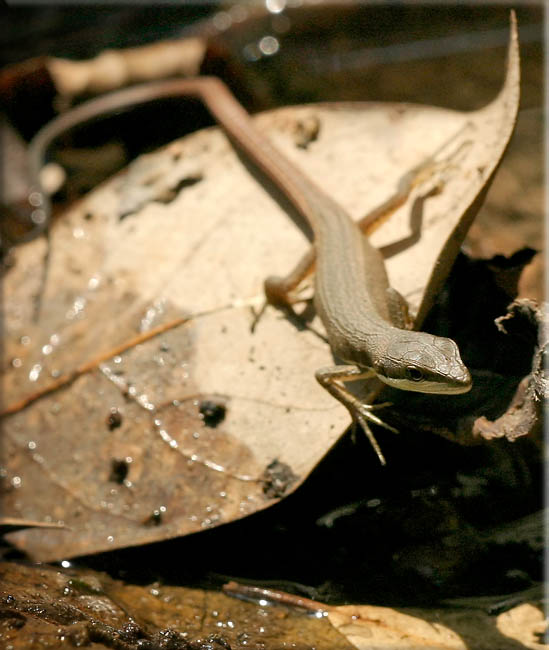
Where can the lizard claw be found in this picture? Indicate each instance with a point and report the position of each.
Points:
(366, 412)
(368, 433)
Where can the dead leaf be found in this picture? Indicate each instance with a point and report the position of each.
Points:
(524, 415)
(81, 608)
(382, 628)
(525, 623)
(377, 628)
(147, 323)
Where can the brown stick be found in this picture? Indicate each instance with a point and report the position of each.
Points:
(249, 592)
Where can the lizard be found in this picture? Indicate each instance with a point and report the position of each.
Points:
(361, 313)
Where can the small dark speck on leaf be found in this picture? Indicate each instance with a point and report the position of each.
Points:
(88, 216)
(114, 419)
(119, 471)
(154, 519)
(277, 479)
(212, 413)
(166, 196)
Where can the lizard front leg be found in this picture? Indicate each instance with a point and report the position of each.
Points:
(332, 379)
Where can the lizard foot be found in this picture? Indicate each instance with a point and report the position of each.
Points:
(362, 415)
(368, 433)
(365, 410)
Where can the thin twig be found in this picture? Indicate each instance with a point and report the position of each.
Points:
(70, 377)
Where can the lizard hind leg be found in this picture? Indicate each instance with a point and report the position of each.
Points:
(398, 310)
(281, 291)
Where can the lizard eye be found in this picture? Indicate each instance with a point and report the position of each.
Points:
(413, 373)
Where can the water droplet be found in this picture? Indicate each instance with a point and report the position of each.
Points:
(35, 372)
(143, 400)
(38, 216)
(94, 282)
(31, 444)
(110, 539)
(66, 564)
(251, 52)
(47, 349)
(35, 199)
(281, 24)
(78, 233)
(275, 6)
(16, 362)
(238, 13)
(269, 45)
(25, 340)
(222, 20)
(16, 481)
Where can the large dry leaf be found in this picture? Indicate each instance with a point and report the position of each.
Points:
(168, 413)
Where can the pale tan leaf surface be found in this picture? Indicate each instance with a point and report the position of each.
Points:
(382, 628)
(120, 452)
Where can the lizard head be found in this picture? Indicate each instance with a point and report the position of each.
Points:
(424, 363)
